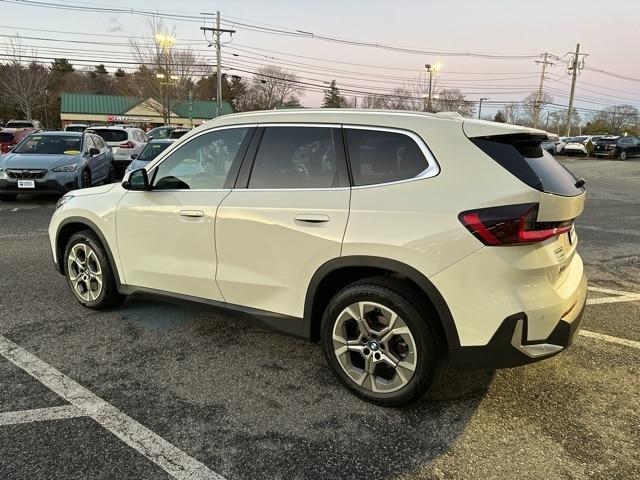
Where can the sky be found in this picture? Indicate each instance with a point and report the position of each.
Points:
(607, 32)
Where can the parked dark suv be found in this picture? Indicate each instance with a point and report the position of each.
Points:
(618, 147)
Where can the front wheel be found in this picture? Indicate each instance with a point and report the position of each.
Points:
(85, 179)
(380, 343)
(622, 155)
(89, 272)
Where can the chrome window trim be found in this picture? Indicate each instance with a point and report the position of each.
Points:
(155, 163)
(433, 168)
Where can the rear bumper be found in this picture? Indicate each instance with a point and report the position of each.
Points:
(509, 346)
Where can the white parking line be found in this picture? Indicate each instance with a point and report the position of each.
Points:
(170, 458)
(620, 296)
(610, 339)
(40, 415)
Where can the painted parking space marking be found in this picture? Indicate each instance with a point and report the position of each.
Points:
(617, 296)
(40, 415)
(167, 456)
(608, 338)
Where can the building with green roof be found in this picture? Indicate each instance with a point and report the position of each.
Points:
(92, 109)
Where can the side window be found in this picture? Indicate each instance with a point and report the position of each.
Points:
(88, 143)
(379, 156)
(296, 157)
(202, 163)
(626, 141)
(97, 141)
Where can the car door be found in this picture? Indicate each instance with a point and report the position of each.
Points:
(285, 218)
(166, 235)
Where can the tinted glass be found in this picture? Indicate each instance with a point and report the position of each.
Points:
(295, 157)
(177, 133)
(75, 129)
(19, 125)
(523, 157)
(6, 137)
(381, 157)
(626, 141)
(111, 135)
(160, 133)
(202, 163)
(152, 150)
(607, 141)
(50, 144)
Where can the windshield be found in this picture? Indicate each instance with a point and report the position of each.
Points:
(109, 135)
(51, 145)
(19, 125)
(151, 151)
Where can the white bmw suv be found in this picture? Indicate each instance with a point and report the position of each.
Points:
(399, 240)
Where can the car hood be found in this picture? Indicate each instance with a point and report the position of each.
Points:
(100, 189)
(18, 160)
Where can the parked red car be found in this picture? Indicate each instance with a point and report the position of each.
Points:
(10, 137)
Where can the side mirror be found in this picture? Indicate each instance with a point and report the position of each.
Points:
(94, 151)
(150, 137)
(138, 180)
(134, 156)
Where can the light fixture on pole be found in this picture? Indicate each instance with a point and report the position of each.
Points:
(431, 69)
(480, 106)
(166, 42)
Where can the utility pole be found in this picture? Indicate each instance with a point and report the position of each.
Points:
(480, 107)
(576, 64)
(428, 67)
(538, 104)
(217, 33)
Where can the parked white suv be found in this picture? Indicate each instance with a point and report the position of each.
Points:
(399, 240)
(124, 141)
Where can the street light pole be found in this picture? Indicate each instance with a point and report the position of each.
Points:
(480, 107)
(428, 67)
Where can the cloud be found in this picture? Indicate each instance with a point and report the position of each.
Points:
(115, 25)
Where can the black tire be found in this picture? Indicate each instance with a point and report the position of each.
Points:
(10, 197)
(108, 296)
(622, 155)
(418, 317)
(85, 179)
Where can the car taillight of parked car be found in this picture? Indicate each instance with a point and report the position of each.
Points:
(128, 145)
(511, 225)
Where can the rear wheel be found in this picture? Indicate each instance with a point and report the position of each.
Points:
(380, 343)
(8, 197)
(89, 272)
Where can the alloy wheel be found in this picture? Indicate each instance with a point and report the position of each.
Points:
(85, 272)
(374, 347)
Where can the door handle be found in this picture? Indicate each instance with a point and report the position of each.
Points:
(311, 218)
(191, 213)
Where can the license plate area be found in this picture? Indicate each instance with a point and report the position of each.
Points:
(26, 184)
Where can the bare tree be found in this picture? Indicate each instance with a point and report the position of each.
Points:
(532, 105)
(165, 73)
(23, 82)
(269, 88)
(512, 113)
(453, 100)
(618, 119)
(558, 121)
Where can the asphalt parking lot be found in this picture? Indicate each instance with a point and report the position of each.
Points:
(184, 391)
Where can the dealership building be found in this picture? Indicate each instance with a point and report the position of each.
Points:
(105, 109)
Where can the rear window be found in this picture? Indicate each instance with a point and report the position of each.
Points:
(607, 141)
(6, 137)
(523, 157)
(177, 133)
(19, 125)
(76, 128)
(109, 135)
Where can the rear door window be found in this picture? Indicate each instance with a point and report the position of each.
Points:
(523, 157)
(297, 157)
(378, 156)
(6, 137)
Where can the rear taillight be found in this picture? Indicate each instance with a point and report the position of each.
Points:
(127, 145)
(511, 225)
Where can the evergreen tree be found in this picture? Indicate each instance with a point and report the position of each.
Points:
(61, 66)
(500, 117)
(332, 97)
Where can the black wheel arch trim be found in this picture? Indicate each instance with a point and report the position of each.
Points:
(446, 318)
(90, 226)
